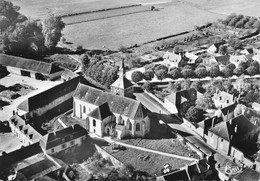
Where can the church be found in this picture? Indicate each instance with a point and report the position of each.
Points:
(113, 113)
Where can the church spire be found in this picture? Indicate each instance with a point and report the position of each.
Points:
(122, 69)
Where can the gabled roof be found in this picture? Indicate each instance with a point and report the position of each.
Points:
(122, 82)
(26, 64)
(247, 51)
(217, 44)
(209, 122)
(117, 104)
(68, 74)
(224, 96)
(229, 109)
(172, 57)
(236, 59)
(192, 57)
(26, 128)
(248, 174)
(57, 138)
(224, 59)
(221, 130)
(180, 97)
(24, 106)
(19, 155)
(101, 112)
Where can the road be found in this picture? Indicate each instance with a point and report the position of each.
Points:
(173, 122)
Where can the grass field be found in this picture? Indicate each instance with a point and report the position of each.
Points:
(152, 165)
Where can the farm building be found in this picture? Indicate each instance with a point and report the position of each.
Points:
(30, 68)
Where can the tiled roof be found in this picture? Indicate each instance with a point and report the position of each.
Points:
(229, 109)
(122, 82)
(221, 130)
(26, 128)
(248, 174)
(117, 104)
(26, 64)
(53, 139)
(101, 112)
(68, 74)
(19, 155)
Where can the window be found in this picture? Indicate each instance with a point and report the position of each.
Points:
(84, 109)
(52, 150)
(130, 126)
(72, 143)
(94, 122)
(64, 146)
(220, 98)
(227, 101)
(137, 127)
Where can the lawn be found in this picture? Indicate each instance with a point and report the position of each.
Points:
(151, 165)
(173, 146)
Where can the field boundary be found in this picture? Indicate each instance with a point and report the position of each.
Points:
(100, 10)
(96, 19)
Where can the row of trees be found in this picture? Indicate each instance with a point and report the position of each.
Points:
(162, 72)
(96, 68)
(22, 36)
(241, 21)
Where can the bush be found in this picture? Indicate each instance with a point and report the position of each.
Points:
(194, 114)
(148, 75)
(137, 76)
(201, 72)
(252, 71)
(161, 74)
(227, 72)
(175, 74)
(239, 71)
(187, 73)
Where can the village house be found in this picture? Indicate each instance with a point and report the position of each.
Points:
(222, 99)
(247, 51)
(64, 139)
(215, 47)
(256, 58)
(23, 130)
(222, 61)
(171, 59)
(175, 100)
(29, 162)
(111, 114)
(237, 59)
(228, 112)
(229, 138)
(30, 68)
(67, 75)
(192, 58)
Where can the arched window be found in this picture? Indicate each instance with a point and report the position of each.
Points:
(130, 126)
(94, 122)
(137, 127)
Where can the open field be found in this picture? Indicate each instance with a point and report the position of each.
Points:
(142, 160)
(137, 28)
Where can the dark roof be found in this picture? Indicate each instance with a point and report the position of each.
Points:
(19, 155)
(53, 139)
(122, 82)
(26, 64)
(224, 59)
(101, 112)
(229, 109)
(117, 104)
(248, 174)
(177, 175)
(68, 74)
(239, 127)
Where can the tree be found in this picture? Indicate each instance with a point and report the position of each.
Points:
(148, 86)
(222, 49)
(85, 61)
(52, 27)
(230, 50)
(239, 71)
(177, 49)
(214, 71)
(227, 72)
(197, 85)
(148, 75)
(252, 71)
(137, 76)
(187, 73)
(193, 114)
(161, 67)
(204, 103)
(201, 72)
(231, 66)
(255, 64)
(175, 74)
(4, 23)
(161, 74)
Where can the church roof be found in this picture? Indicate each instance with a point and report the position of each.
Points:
(122, 82)
(101, 112)
(117, 104)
